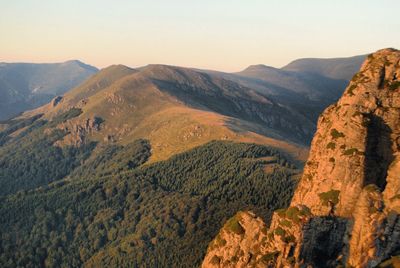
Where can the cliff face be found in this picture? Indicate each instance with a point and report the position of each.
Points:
(346, 208)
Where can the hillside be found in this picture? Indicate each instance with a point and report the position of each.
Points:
(345, 210)
(176, 109)
(25, 86)
(113, 211)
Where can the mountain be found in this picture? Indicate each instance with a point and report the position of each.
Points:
(345, 210)
(335, 68)
(176, 109)
(25, 86)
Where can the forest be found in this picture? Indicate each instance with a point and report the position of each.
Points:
(102, 205)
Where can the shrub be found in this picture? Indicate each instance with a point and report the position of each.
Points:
(351, 89)
(331, 196)
(215, 260)
(234, 226)
(279, 231)
(351, 151)
(269, 256)
(336, 134)
(394, 85)
(331, 145)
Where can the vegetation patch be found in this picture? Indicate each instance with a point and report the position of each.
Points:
(286, 223)
(331, 146)
(269, 257)
(279, 231)
(234, 226)
(394, 85)
(351, 151)
(336, 134)
(351, 89)
(330, 197)
(215, 260)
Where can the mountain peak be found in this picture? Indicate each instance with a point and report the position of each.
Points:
(81, 64)
(258, 67)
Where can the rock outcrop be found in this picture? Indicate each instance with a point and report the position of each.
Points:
(347, 203)
(240, 243)
(78, 130)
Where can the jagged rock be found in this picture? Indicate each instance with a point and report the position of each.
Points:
(240, 243)
(78, 130)
(351, 182)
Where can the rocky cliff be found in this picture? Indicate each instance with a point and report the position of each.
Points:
(345, 211)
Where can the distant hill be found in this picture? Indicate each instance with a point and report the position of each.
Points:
(26, 86)
(305, 85)
(336, 68)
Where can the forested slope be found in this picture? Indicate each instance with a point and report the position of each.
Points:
(111, 212)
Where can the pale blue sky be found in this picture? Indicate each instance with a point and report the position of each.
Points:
(217, 34)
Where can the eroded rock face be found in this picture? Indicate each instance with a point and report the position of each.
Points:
(78, 130)
(356, 140)
(351, 182)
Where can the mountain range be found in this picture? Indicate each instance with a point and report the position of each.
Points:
(142, 167)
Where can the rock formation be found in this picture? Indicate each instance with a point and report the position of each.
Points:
(78, 130)
(345, 211)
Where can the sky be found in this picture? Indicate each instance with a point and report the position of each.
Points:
(226, 35)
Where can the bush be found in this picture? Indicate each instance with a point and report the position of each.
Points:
(331, 196)
(331, 146)
(336, 134)
(234, 226)
(351, 151)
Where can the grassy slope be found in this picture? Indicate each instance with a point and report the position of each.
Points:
(133, 107)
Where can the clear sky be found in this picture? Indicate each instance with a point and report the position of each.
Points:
(216, 34)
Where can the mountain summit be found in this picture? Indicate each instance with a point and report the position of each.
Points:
(346, 208)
